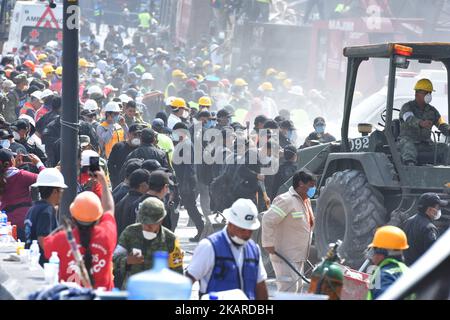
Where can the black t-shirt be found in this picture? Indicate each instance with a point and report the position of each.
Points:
(39, 222)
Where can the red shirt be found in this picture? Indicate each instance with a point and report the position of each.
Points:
(103, 243)
(41, 112)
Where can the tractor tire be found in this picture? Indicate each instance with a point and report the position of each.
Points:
(350, 210)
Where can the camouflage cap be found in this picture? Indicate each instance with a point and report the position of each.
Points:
(151, 211)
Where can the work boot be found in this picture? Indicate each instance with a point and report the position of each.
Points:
(198, 237)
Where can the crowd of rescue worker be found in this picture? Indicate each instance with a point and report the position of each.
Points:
(142, 105)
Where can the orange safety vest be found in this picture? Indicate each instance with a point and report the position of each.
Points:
(118, 135)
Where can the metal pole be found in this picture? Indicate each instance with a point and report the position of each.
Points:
(69, 117)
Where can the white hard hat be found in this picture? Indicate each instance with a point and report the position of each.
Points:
(37, 94)
(94, 89)
(243, 214)
(86, 155)
(147, 76)
(90, 105)
(297, 91)
(28, 118)
(112, 106)
(52, 44)
(125, 98)
(50, 177)
(47, 93)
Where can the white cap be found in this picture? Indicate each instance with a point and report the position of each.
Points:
(147, 76)
(90, 105)
(243, 214)
(86, 155)
(27, 117)
(125, 98)
(47, 93)
(112, 106)
(37, 94)
(297, 91)
(50, 177)
(94, 89)
(96, 72)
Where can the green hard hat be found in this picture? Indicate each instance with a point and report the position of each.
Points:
(151, 211)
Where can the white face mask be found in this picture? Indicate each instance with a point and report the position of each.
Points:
(428, 98)
(437, 216)
(135, 142)
(5, 144)
(238, 240)
(16, 136)
(149, 235)
(185, 114)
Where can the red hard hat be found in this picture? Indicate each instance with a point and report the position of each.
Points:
(29, 64)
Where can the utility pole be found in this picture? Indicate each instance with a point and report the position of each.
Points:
(69, 117)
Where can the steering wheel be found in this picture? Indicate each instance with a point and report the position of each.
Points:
(383, 117)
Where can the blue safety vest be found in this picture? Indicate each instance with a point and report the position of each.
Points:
(225, 275)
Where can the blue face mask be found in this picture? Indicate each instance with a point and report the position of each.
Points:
(290, 134)
(210, 124)
(311, 192)
(320, 129)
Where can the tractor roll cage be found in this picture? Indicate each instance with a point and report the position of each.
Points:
(423, 52)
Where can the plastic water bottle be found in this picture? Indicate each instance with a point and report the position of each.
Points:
(34, 255)
(159, 283)
(54, 261)
(3, 228)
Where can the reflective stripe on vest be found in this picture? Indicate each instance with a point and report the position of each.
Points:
(225, 274)
(118, 135)
(166, 93)
(401, 267)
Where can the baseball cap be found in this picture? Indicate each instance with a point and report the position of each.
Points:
(223, 113)
(159, 178)
(136, 127)
(21, 124)
(151, 165)
(287, 124)
(158, 123)
(431, 199)
(4, 134)
(84, 141)
(319, 120)
(5, 155)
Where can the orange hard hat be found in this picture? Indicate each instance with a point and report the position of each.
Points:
(390, 238)
(30, 64)
(86, 207)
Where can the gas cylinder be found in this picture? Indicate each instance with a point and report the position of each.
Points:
(328, 277)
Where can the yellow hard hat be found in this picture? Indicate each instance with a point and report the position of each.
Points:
(239, 82)
(177, 73)
(425, 85)
(178, 103)
(42, 56)
(267, 86)
(281, 76)
(287, 83)
(48, 69)
(389, 238)
(58, 71)
(217, 67)
(82, 62)
(270, 71)
(206, 63)
(205, 101)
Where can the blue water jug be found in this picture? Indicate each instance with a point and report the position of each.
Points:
(159, 283)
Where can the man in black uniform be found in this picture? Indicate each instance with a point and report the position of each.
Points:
(120, 152)
(148, 149)
(419, 229)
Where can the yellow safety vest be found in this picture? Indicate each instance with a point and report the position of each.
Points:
(401, 267)
(118, 135)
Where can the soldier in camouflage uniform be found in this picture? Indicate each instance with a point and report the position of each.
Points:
(138, 242)
(417, 119)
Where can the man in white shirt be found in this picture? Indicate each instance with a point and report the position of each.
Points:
(229, 259)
